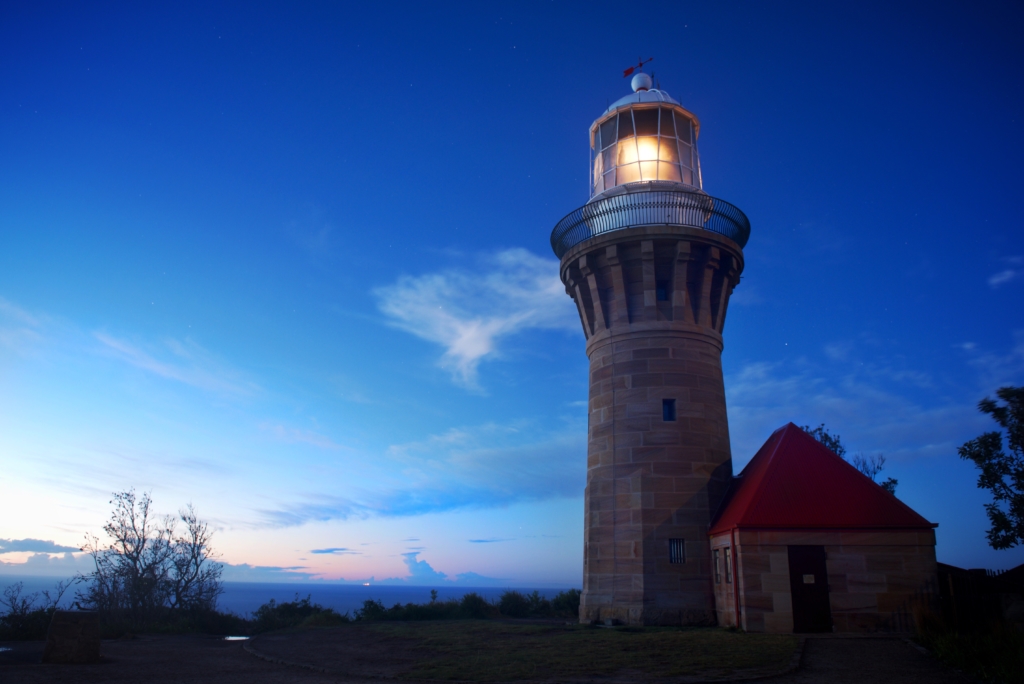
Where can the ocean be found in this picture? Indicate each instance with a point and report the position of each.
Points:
(243, 598)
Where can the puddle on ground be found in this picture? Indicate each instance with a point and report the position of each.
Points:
(235, 638)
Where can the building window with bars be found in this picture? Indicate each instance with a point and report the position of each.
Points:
(676, 551)
(728, 565)
(718, 566)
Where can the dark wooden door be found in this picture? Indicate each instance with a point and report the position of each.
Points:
(808, 581)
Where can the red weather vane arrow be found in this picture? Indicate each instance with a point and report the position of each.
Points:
(639, 65)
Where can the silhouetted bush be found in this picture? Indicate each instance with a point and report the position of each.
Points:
(518, 605)
(566, 603)
(475, 606)
(514, 604)
(300, 612)
(472, 606)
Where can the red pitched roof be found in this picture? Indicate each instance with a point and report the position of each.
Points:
(796, 482)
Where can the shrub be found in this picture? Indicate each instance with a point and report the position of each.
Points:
(472, 606)
(566, 603)
(518, 605)
(475, 606)
(514, 604)
(273, 615)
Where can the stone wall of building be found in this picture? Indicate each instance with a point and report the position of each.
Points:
(871, 575)
(652, 303)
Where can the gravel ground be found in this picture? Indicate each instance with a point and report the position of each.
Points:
(851, 660)
(159, 659)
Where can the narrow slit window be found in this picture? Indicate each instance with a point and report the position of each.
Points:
(718, 565)
(668, 409)
(728, 565)
(676, 551)
(661, 290)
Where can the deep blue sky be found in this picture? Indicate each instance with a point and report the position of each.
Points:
(291, 263)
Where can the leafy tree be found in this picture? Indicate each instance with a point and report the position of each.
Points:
(831, 441)
(1002, 472)
(869, 465)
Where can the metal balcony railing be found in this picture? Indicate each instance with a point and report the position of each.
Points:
(653, 208)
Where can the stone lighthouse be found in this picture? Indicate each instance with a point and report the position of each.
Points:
(651, 261)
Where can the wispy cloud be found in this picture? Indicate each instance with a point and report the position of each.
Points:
(487, 541)
(1006, 275)
(299, 436)
(336, 551)
(995, 369)
(188, 363)
(469, 312)
(894, 410)
(471, 467)
(264, 573)
(34, 546)
(20, 331)
(1002, 277)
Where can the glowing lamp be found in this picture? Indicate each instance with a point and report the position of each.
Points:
(643, 137)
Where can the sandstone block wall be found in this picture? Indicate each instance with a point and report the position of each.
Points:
(652, 307)
(871, 575)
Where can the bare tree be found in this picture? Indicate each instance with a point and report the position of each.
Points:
(148, 567)
(26, 616)
(195, 579)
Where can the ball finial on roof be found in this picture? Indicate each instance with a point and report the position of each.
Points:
(641, 82)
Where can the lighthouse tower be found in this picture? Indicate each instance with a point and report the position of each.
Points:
(650, 262)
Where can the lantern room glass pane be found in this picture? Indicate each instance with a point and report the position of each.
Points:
(667, 128)
(609, 179)
(630, 173)
(688, 176)
(625, 125)
(649, 170)
(597, 140)
(683, 128)
(647, 148)
(646, 121)
(609, 159)
(667, 150)
(668, 172)
(685, 154)
(598, 166)
(608, 132)
(627, 152)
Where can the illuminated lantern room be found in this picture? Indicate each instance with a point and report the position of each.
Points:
(643, 137)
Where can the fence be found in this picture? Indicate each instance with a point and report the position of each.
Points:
(968, 601)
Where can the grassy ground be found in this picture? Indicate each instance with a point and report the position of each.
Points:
(994, 657)
(494, 651)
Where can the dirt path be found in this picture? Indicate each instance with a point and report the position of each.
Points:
(194, 659)
(852, 660)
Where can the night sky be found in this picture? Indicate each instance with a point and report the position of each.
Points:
(290, 263)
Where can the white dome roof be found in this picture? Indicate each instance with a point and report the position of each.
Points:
(652, 95)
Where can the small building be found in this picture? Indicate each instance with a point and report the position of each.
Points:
(806, 543)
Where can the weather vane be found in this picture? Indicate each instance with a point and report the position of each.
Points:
(639, 65)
